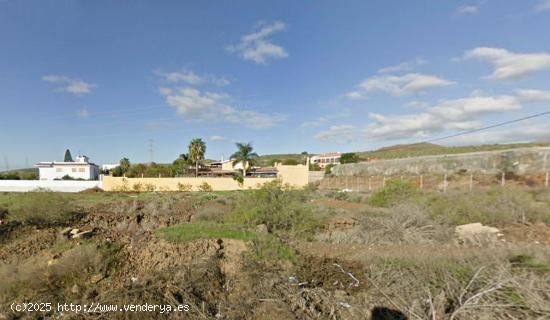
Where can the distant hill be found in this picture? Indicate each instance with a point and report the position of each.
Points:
(23, 174)
(428, 149)
(408, 150)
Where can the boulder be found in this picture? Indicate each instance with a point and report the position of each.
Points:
(475, 232)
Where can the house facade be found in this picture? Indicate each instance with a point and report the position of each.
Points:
(326, 158)
(81, 168)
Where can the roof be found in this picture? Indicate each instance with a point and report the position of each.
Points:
(323, 155)
(47, 164)
(264, 170)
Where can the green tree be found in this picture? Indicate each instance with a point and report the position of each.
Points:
(124, 164)
(197, 148)
(290, 162)
(180, 165)
(349, 158)
(244, 155)
(68, 157)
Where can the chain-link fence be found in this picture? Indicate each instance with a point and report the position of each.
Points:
(441, 182)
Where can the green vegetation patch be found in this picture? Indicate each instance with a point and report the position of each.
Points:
(39, 208)
(394, 192)
(195, 231)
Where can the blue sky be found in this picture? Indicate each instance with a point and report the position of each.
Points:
(105, 77)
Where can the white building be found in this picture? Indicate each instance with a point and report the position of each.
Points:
(82, 168)
(326, 158)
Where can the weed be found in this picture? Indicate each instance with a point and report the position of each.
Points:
(530, 262)
(41, 208)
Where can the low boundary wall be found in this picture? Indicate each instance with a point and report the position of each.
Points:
(173, 184)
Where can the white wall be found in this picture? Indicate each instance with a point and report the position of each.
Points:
(51, 173)
(54, 185)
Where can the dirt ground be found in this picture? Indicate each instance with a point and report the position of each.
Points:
(335, 275)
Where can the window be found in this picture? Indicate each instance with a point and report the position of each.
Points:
(81, 169)
(74, 169)
(58, 169)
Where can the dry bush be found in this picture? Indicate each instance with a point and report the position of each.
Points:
(495, 206)
(52, 280)
(432, 283)
(405, 223)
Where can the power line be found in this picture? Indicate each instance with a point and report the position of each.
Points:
(488, 127)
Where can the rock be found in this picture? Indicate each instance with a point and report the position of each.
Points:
(74, 231)
(474, 232)
(96, 278)
(66, 231)
(83, 234)
(261, 228)
(75, 289)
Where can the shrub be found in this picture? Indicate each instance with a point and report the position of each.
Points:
(394, 192)
(41, 208)
(494, 206)
(149, 187)
(279, 207)
(205, 187)
(328, 168)
(137, 187)
(349, 158)
(240, 179)
(184, 187)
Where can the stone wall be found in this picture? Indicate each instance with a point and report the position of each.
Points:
(520, 161)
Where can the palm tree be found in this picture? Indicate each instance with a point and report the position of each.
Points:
(244, 155)
(197, 148)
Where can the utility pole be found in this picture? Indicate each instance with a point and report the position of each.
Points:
(151, 151)
(6, 163)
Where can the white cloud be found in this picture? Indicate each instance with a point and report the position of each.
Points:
(217, 138)
(209, 106)
(325, 119)
(533, 95)
(356, 95)
(404, 66)
(258, 46)
(340, 134)
(543, 6)
(509, 65)
(82, 113)
(467, 9)
(403, 85)
(527, 132)
(192, 78)
(66, 84)
(457, 114)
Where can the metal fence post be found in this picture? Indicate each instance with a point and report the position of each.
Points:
(546, 180)
(503, 179)
(370, 186)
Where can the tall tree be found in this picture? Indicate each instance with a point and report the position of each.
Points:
(68, 157)
(197, 148)
(244, 155)
(124, 164)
